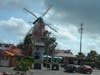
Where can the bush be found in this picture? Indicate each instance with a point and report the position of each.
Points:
(97, 64)
(24, 65)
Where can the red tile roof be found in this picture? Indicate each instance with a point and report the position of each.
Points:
(65, 55)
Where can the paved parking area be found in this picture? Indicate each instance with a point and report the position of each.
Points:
(45, 71)
(61, 72)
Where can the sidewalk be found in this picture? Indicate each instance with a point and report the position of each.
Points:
(7, 70)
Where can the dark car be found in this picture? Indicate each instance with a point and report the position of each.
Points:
(69, 68)
(85, 69)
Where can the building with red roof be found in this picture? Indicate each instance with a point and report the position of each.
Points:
(67, 56)
(10, 55)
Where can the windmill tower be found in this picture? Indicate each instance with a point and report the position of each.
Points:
(37, 33)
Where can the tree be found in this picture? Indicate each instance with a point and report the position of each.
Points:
(80, 55)
(49, 45)
(49, 42)
(91, 58)
(92, 55)
(80, 58)
(27, 44)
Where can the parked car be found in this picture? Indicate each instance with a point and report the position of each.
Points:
(69, 68)
(85, 69)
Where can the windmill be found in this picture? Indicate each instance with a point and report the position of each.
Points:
(38, 29)
(39, 24)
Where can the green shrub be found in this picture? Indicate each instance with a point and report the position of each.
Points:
(24, 65)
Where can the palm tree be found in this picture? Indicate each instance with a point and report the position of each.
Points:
(92, 55)
(80, 58)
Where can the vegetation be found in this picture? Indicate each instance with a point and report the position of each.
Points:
(92, 55)
(24, 65)
(50, 45)
(92, 59)
(27, 44)
(50, 42)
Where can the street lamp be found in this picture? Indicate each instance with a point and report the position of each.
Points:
(80, 52)
(81, 32)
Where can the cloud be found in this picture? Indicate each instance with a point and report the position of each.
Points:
(14, 29)
(68, 32)
(75, 12)
(15, 5)
(65, 16)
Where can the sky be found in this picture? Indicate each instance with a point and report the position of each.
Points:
(65, 16)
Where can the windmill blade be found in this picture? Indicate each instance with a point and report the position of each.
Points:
(46, 11)
(30, 13)
(51, 27)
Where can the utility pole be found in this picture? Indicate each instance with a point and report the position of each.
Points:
(81, 32)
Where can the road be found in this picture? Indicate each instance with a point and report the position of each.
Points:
(49, 72)
(61, 72)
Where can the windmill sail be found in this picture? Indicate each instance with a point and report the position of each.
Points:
(39, 25)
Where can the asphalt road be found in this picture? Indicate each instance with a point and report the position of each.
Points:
(61, 72)
(45, 71)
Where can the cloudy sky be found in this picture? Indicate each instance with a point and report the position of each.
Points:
(65, 16)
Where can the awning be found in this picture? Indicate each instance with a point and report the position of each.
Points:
(14, 51)
(9, 53)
